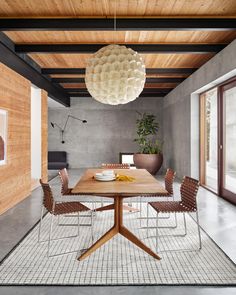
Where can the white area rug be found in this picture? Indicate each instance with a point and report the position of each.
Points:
(118, 262)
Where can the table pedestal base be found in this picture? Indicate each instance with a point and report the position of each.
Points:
(112, 207)
(117, 228)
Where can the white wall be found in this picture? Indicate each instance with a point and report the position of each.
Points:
(181, 112)
(109, 131)
(35, 132)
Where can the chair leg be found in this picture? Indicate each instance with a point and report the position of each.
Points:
(140, 215)
(157, 232)
(50, 235)
(92, 232)
(78, 225)
(185, 224)
(40, 223)
(199, 231)
(176, 222)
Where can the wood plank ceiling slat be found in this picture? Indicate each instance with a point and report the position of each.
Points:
(151, 60)
(124, 37)
(104, 8)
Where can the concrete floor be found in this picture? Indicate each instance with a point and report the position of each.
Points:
(217, 218)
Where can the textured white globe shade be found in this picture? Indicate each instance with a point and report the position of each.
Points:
(115, 75)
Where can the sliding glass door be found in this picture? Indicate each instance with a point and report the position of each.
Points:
(218, 140)
(227, 151)
(209, 140)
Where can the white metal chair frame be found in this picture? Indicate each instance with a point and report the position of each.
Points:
(190, 210)
(177, 235)
(49, 240)
(170, 196)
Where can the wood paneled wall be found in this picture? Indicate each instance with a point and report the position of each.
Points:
(15, 176)
(44, 135)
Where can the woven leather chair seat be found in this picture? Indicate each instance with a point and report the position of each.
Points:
(165, 207)
(69, 207)
(157, 196)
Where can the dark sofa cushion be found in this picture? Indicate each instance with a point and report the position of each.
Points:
(57, 156)
(57, 165)
(57, 160)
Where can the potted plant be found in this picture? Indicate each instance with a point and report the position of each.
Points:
(150, 149)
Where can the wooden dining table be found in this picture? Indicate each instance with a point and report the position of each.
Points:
(143, 184)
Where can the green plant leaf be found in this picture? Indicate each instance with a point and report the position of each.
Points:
(147, 129)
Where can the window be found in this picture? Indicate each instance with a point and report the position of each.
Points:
(218, 140)
(127, 158)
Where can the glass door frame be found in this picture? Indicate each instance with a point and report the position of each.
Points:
(203, 141)
(223, 192)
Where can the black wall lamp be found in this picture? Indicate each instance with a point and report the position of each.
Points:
(62, 130)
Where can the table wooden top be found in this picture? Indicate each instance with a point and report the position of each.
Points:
(144, 184)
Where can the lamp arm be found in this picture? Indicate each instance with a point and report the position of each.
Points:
(66, 122)
(58, 126)
(70, 116)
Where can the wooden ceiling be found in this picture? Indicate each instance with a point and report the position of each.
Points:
(31, 22)
(107, 8)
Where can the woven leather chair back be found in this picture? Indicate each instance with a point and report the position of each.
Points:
(64, 181)
(116, 166)
(169, 180)
(47, 196)
(188, 190)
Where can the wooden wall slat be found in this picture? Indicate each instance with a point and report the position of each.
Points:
(15, 176)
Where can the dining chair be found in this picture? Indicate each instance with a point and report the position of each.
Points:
(57, 206)
(188, 204)
(67, 191)
(169, 181)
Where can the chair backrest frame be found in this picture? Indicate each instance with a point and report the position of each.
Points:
(48, 199)
(188, 190)
(64, 181)
(169, 180)
(115, 166)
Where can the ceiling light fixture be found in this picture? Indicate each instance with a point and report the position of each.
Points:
(115, 74)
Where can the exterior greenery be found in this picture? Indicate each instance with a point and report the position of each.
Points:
(147, 128)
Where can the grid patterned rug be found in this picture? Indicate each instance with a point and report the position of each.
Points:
(118, 262)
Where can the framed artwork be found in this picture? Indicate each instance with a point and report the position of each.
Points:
(3, 136)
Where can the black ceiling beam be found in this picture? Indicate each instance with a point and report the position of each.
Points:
(146, 90)
(51, 71)
(122, 24)
(148, 80)
(170, 70)
(67, 80)
(81, 71)
(141, 95)
(165, 80)
(28, 71)
(141, 48)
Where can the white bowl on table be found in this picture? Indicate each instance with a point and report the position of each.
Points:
(106, 175)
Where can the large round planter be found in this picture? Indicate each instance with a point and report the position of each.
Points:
(151, 162)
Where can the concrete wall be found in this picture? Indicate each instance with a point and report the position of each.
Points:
(110, 129)
(180, 112)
